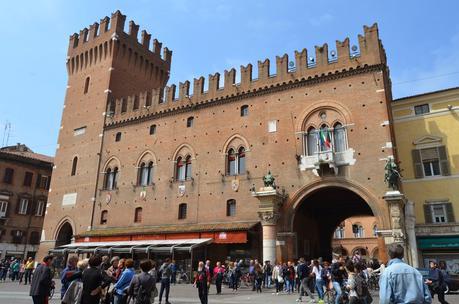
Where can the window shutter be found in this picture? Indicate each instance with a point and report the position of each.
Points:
(48, 182)
(450, 212)
(8, 207)
(427, 213)
(31, 209)
(444, 164)
(17, 205)
(417, 164)
(38, 181)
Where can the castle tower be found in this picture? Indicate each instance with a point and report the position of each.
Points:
(103, 63)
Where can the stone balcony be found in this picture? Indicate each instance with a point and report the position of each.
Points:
(333, 159)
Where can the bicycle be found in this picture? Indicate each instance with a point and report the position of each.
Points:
(330, 295)
(373, 282)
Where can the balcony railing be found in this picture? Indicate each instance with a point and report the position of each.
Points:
(333, 159)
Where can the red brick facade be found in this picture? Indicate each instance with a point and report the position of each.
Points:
(267, 117)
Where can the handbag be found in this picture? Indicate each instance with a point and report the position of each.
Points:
(280, 279)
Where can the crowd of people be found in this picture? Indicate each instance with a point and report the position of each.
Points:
(104, 280)
(17, 270)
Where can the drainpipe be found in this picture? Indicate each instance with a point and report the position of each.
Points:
(410, 223)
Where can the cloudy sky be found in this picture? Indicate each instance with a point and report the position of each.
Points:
(421, 39)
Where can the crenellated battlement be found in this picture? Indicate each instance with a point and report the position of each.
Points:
(344, 58)
(107, 39)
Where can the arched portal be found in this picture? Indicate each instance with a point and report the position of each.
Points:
(65, 234)
(319, 213)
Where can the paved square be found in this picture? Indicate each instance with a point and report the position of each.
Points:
(13, 293)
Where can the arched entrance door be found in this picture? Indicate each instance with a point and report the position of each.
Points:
(319, 213)
(65, 234)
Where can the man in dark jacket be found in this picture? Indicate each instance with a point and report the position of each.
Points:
(339, 274)
(42, 282)
(93, 281)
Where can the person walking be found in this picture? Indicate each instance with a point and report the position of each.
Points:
(436, 282)
(93, 281)
(75, 290)
(165, 273)
(338, 276)
(401, 283)
(15, 268)
(305, 277)
(121, 286)
(232, 276)
(267, 272)
(142, 285)
(154, 273)
(67, 273)
(174, 272)
(319, 282)
(201, 281)
(29, 267)
(258, 271)
(42, 282)
(277, 278)
(218, 273)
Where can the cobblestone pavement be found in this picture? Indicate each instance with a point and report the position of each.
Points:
(13, 293)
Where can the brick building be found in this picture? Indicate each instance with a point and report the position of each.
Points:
(24, 181)
(143, 169)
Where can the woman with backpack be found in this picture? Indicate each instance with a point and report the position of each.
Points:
(201, 280)
(142, 285)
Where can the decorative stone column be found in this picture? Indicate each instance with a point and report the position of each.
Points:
(397, 234)
(410, 223)
(268, 211)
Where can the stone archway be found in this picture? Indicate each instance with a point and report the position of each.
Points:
(319, 213)
(64, 235)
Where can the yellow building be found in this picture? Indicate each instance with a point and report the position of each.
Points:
(427, 142)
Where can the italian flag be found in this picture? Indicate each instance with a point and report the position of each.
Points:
(324, 135)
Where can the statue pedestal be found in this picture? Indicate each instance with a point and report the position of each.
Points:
(396, 202)
(268, 211)
(398, 232)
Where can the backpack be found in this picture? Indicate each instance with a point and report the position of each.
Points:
(143, 296)
(361, 286)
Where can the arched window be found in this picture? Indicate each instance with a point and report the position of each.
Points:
(236, 161)
(189, 122)
(86, 85)
(188, 167)
(180, 169)
(118, 136)
(339, 135)
(123, 105)
(357, 229)
(245, 110)
(182, 211)
(108, 179)
(232, 163)
(111, 179)
(103, 217)
(135, 106)
(138, 215)
(145, 174)
(111, 107)
(325, 139)
(74, 166)
(231, 207)
(339, 232)
(311, 141)
(152, 129)
(241, 160)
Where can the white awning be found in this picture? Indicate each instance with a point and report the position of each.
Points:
(145, 246)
